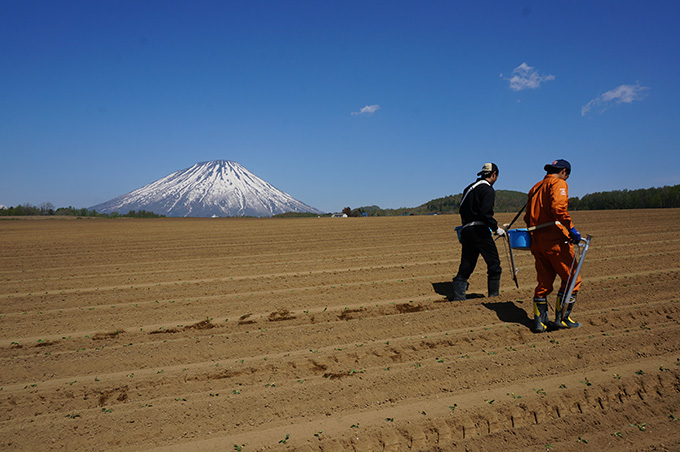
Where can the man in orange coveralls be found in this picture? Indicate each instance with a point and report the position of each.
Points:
(552, 236)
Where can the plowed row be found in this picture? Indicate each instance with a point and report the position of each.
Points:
(328, 334)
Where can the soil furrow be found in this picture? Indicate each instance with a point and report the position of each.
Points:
(329, 335)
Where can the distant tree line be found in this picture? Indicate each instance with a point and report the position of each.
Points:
(296, 215)
(506, 201)
(47, 209)
(512, 201)
(645, 198)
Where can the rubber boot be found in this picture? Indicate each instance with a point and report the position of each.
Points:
(565, 321)
(558, 309)
(493, 284)
(459, 288)
(540, 314)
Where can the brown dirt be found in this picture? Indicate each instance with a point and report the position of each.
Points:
(326, 335)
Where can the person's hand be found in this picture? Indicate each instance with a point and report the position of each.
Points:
(500, 232)
(575, 236)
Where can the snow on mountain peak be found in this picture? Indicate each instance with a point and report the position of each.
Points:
(212, 188)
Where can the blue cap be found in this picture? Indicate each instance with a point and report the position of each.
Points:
(558, 164)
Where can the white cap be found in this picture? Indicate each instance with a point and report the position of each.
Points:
(488, 168)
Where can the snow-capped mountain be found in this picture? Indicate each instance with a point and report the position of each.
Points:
(217, 188)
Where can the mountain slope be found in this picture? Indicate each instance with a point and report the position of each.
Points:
(214, 188)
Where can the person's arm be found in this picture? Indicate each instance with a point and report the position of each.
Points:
(560, 201)
(487, 201)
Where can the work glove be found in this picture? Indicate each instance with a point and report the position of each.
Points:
(575, 236)
(500, 232)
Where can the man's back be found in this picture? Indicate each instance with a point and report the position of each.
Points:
(548, 201)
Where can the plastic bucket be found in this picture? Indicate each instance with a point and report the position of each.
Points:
(520, 239)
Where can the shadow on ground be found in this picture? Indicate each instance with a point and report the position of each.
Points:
(446, 289)
(509, 312)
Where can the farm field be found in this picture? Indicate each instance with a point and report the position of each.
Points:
(329, 334)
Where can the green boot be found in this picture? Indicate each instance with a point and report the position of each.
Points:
(540, 314)
(564, 321)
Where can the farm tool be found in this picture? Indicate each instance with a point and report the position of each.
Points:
(565, 302)
(511, 258)
(508, 251)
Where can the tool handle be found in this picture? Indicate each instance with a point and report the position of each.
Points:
(574, 276)
(517, 216)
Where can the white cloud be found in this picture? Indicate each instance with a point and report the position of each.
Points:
(367, 110)
(526, 77)
(624, 94)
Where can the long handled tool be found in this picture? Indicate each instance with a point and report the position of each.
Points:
(512, 261)
(573, 276)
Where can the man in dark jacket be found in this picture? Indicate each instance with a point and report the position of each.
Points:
(476, 213)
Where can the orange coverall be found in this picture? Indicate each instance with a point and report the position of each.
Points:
(550, 244)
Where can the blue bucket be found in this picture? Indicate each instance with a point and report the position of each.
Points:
(520, 239)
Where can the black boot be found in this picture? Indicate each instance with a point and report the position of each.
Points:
(494, 284)
(540, 314)
(459, 288)
(564, 321)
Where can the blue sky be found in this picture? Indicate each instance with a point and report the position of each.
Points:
(339, 103)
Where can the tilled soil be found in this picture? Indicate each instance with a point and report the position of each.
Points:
(329, 334)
